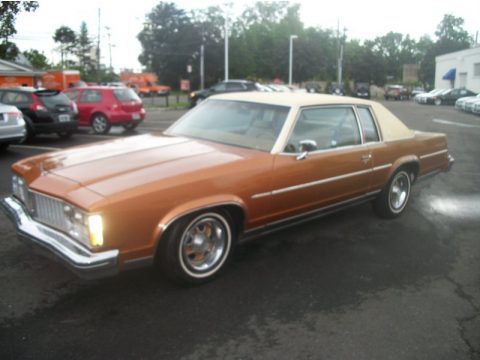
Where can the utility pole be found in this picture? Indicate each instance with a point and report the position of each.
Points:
(109, 47)
(98, 49)
(226, 47)
(202, 67)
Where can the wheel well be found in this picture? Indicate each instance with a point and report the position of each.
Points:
(97, 113)
(413, 168)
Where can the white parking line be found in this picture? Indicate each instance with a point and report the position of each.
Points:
(30, 147)
(446, 122)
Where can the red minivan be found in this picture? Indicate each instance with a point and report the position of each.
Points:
(102, 107)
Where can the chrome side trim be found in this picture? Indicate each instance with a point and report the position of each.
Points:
(382, 167)
(319, 182)
(433, 154)
(306, 216)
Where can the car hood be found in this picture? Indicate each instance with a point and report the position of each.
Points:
(115, 166)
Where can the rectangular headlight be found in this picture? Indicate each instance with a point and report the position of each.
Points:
(86, 228)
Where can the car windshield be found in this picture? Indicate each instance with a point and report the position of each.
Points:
(245, 124)
(124, 94)
(52, 98)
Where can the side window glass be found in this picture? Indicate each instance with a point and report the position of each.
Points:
(219, 87)
(368, 124)
(324, 128)
(72, 95)
(16, 98)
(234, 86)
(91, 96)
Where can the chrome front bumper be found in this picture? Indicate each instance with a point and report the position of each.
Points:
(57, 245)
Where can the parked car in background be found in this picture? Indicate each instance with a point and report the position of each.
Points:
(228, 86)
(279, 87)
(12, 126)
(476, 108)
(313, 88)
(44, 111)
(362, 90)
(102, 107)
(336, 89)
(237, 167)
(469, 105)
(423, 98)
(417, 91)
(396, 92)
(460, 103)
(449, 97)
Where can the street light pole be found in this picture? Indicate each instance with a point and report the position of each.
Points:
(291, 59)
(226, 48)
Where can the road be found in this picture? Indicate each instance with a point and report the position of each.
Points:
(348, 286)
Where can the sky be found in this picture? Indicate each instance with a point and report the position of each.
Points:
(121, 21)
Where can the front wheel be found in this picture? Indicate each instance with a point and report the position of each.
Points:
(438, 102)
(100, 124)
(391, 202)
(197, 247)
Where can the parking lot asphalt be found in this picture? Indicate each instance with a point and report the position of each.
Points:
(347, 286)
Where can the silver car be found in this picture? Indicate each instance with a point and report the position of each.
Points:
(12, 126)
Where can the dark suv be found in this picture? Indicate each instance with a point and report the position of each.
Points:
(44, 111)
(198, 96)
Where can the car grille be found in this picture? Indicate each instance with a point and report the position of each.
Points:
(48, 210)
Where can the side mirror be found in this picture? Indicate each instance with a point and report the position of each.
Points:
(305, 146)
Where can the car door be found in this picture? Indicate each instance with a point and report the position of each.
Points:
(88, 103)
(325, 163)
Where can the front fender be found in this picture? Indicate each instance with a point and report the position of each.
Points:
(194, 206)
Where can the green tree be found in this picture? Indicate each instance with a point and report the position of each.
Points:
(8, 13)
(169, 40)
(67, 39)
(83, 51)
(37, 59)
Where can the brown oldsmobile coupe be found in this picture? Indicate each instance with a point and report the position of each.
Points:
(235, 167)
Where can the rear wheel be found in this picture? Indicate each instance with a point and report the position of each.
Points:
(438, 102)
(197, 247)
(391, 202)
(100, 124)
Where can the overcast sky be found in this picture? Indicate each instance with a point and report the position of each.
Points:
(365, 19)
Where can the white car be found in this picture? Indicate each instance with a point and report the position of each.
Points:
(470, 104)
(461, 103)
(12, 126)
(422, 98)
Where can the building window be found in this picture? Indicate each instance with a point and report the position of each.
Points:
(476, 69)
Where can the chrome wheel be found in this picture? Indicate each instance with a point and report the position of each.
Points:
(399, 192)
(100, 124)
(204, 245)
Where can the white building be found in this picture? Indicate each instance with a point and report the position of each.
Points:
(460, 69)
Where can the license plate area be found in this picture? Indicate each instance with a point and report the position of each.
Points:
(63, 118)
(135, 116)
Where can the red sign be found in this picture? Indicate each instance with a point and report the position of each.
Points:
(185, 85)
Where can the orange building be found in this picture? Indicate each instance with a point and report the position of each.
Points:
(13, 74)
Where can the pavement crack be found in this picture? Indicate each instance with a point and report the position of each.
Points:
(464, 323)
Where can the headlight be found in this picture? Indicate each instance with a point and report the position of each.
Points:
(192, 94)
(19, 188)
(86, 228)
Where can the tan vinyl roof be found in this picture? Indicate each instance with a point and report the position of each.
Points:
(391, 127)
(290, 99)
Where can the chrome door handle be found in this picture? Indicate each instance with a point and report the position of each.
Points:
(366, 157)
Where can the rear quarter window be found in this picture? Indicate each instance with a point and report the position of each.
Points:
(125, 95)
